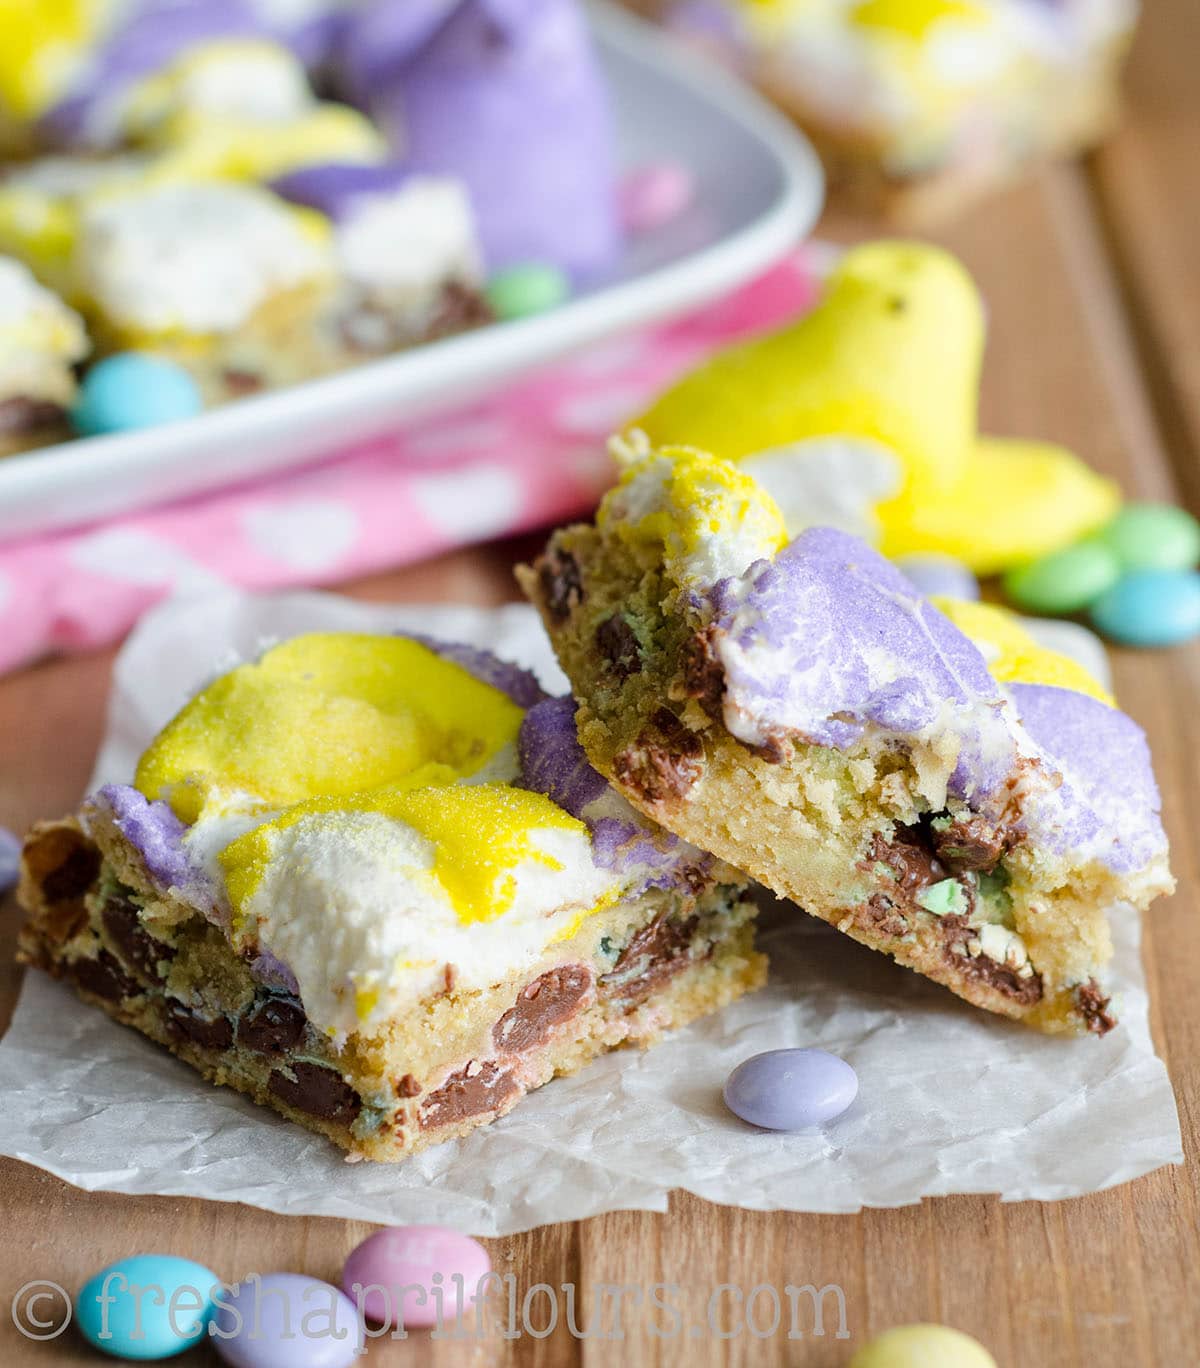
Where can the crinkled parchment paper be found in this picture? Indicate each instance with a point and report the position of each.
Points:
(950, 1100)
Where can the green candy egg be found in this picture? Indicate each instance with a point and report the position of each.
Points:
(1150, 536)
(521, 291)
(1065, 581)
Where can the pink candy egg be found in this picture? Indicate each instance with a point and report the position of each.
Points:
(653, 195)
(391, 1275)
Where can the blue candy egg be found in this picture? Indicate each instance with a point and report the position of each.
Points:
(147, 1307)
(1150, 608)
(287, 1320)
(10, 858)
(133, 390)
(937, 574)
(788, 1090)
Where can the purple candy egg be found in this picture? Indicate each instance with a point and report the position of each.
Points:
(10, 858)
(787, 1090)
(415, 1275)
(287, 1320)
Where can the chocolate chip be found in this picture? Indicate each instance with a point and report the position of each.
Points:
(880, 916)
(971, 843)
(655, 954)
(74, 875)
(139, 949)
(459, 307)
(618, 645)
(473, 1090)
(561, 584)
(703, 673)
(407, 1086)
(103, 977)
(240, 382)
(1093, 1007)
(21, 414)
(956, 931)
(542, 1005)
(316, 1090)
(272, 1025)
(664, 762)
(210, 1033)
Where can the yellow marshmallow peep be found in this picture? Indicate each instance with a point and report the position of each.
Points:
(324, 716)
(887, 366)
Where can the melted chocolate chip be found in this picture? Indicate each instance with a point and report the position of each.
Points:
(473, 1090)
(542, 1005)
(407, 1086)
(664, 762)
(656, 953)
(74, 875)
(239, 382)
(210, 1033)
(956, 931)
(139, 949)
(104, 977)
(561, 584)
(21, 414)
(703, 673)
(617, 644)
(460, 307)
(316, 1090)
(272, 1025)
(1093, 1007)
(880, 916)
(971, 843)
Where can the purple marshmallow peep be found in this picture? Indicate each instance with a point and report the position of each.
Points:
(507, 96)
(334, 188)
(552, 762)
(157, 835)
(829, 639)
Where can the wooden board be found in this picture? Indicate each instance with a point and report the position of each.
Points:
(1092, 275)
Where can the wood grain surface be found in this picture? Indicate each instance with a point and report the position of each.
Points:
(1092, 276)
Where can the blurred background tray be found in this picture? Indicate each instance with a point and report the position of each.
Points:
(759, 190)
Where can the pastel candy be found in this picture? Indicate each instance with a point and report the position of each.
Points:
(403, 1275)
(287, 1320)
(1150, 608)
(923, 1346)
(1065, 581)
(521, 291)
(652, 196)
(937, 574)
(1146, 536)
(147, 1307)
(508, 96)
(10, 858)
(133, 390)
(789, 1090)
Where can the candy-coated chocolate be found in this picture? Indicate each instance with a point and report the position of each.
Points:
(923, 1346)
(147, 1307)
(1066, 581)
(1150, 608)
(10, 858)
(133, 390)
(788, 1090)
(652, 196)
(933, 573)
(287, 1320)
(1147, 536)
(392, 1275)
(521, 291)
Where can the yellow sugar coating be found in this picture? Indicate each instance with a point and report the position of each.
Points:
(1017, 500)
(1012, 655)
(891, 354)
(326, 715)
(40, 42)
(481, 833)
(915, 18)
(703, 499)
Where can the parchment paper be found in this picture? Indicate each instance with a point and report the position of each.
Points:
(950, 1099)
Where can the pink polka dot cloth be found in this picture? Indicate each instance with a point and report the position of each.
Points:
(530, 456)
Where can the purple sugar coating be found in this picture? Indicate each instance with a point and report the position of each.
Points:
(271, 972)
(553, 762)
(830, 637)
(507, 96)
(1108, 793)
(157, 835)
(519, 684)
(334, 188)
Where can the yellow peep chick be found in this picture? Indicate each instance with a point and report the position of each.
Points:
(864, 414)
